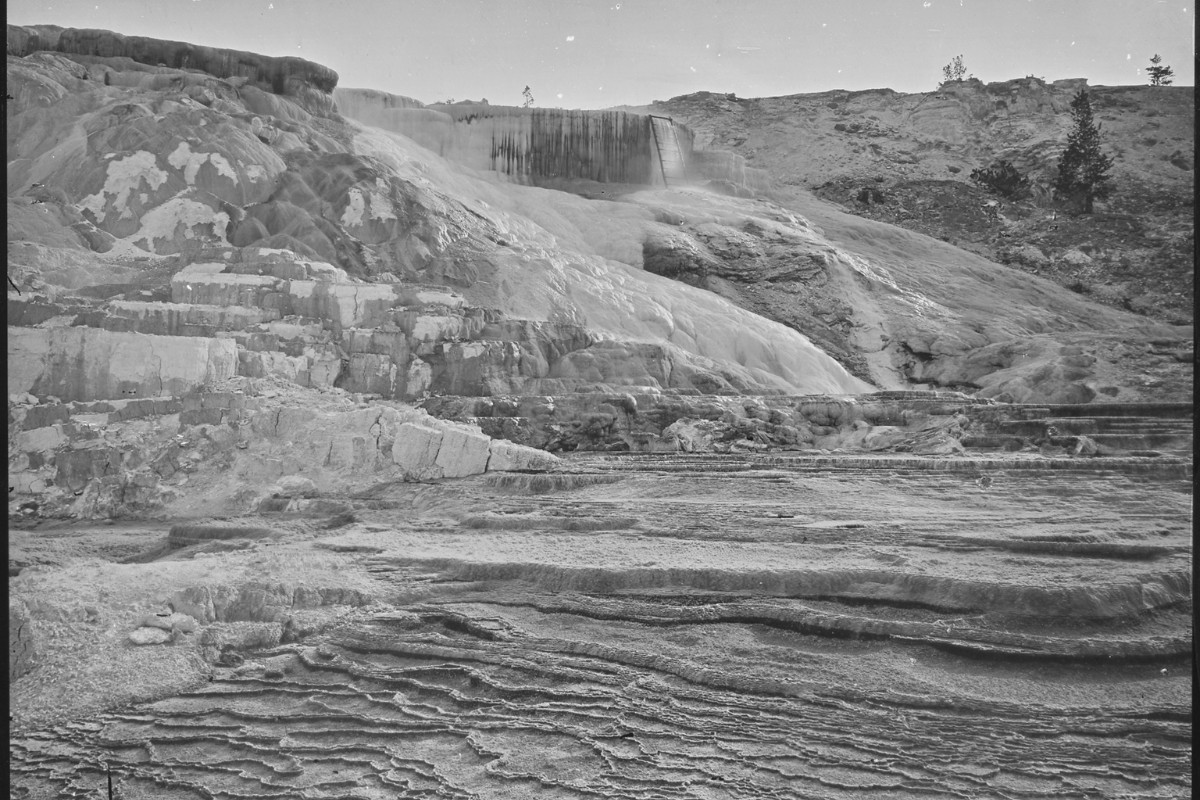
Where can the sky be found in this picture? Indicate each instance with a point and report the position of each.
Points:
(603, 53)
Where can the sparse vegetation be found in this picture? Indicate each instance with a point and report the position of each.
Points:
(955, 71)
(1159, 75)
(1083, 168)
(1002, 178)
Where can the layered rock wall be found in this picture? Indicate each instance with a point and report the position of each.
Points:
(122, 457)
(276, 75)
(93, 364)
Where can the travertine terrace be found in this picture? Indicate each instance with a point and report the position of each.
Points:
(348, 461)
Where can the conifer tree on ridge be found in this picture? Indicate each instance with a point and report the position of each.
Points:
(1159, 76)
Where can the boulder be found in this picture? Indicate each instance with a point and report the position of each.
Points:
(463, 453)
(149, 635)
(416, 449)
(169, 621)
(157, 620)
(294, 486)
(508, 456)
(694, 435)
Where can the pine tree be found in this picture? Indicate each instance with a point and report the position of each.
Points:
(1159, 76)
(1083, 168)
(528, 95)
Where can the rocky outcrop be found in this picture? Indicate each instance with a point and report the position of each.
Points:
(22, 649)
(277, 75)
(257, 602)
(231, 450)
(927, 423)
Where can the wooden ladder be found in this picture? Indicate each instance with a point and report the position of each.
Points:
(670, 153)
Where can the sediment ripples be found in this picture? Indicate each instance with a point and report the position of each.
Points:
(419, 710)
(673, 633)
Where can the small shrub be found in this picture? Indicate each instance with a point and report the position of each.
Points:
(1159, 75)
(1003, 179)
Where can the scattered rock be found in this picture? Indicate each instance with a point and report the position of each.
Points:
(294, 486)
(149, 635)
(230, 658)
(694, 436)
(157, 620)
(1075, 258)
(508, 456)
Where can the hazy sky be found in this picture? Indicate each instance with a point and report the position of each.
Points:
(599, 53)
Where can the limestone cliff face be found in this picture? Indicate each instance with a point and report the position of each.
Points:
(89, 364)
(277, 75)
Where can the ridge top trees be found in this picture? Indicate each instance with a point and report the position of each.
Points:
(1159, 75)
(954, 71)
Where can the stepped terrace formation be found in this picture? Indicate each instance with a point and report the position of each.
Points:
(364, 448)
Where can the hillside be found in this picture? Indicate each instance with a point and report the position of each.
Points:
(249, 173)
(906, 159)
